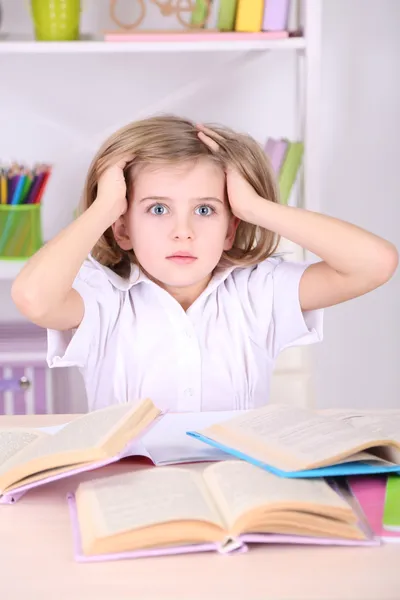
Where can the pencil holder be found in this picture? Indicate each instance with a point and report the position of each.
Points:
(56, 20)
(20, 231)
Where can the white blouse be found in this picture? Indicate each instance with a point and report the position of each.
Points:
(136, 341)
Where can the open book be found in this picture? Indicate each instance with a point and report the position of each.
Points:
(166, 442)
(29, 457)
(219, 507)
(296, 442)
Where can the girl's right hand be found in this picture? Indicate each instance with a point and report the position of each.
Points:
(111, 190)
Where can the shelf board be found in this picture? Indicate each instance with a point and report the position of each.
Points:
(152, 42)
(9, 269)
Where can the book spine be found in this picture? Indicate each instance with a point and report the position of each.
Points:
(249, 15)
(275, 15)
(227, 15)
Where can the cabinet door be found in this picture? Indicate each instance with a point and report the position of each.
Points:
(24, 389)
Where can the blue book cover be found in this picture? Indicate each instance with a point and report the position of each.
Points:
(348, 468)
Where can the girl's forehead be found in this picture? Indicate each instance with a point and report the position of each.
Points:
(204, 173)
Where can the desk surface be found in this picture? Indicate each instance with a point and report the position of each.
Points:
(36, 561)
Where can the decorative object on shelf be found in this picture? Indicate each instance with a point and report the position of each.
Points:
(56, 20)
(191, 14)
(21, 192)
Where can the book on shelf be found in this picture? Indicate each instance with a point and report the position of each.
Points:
(286, 158)
(291, 441)
(249, 15)
(222, 507)
(29, 457)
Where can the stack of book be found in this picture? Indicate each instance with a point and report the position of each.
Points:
(275, 475)
(263, 19)
(253, 16)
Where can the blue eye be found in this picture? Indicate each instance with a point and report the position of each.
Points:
(204, 210)
(158, 209)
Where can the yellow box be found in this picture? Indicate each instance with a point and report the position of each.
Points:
(249, 15)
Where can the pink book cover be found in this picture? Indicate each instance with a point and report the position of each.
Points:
(17, 493)
(202, 36)
(370, 494)
(276, 14)
(235, 547)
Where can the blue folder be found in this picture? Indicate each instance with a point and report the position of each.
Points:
(350, 468)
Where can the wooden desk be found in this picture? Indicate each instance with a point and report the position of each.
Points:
(36, 561)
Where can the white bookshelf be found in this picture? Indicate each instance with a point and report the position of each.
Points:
(26, 45)
(240, 53)
(213, 70)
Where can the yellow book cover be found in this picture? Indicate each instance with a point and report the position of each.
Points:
(249, 15)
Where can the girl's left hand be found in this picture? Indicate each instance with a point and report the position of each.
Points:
(243, 199)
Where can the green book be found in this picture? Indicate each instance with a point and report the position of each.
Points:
(289, 169)
(199, 14)
(391, 510)
(227, 15)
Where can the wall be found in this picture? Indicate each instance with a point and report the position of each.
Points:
(358, 362)
(66, 105)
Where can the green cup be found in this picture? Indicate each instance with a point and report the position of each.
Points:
(56, 20)
(20, 230)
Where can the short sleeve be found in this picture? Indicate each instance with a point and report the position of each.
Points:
(273, 298)
(72, 348)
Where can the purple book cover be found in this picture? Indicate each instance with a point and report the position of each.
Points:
(238, 546)
(275, 15)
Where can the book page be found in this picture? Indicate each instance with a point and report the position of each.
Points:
(168, 443)
(290, 437)
(380, 422)
(147, 497)
(239, 487)
(14, 441)
(84, 432)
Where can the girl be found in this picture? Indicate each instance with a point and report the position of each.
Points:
(166, 286)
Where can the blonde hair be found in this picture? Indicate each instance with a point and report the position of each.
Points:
(169, 140)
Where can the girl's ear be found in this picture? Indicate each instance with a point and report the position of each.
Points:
(230, 234)
(121, 234)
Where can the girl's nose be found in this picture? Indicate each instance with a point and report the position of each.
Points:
(182, 229)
